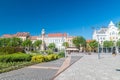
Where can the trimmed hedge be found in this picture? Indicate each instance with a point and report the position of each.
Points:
(41, 58)
(49, 51)
(61, 54)
(37, 58)
(17, 57)
(10, 50)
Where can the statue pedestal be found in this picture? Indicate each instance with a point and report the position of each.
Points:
(43, 46)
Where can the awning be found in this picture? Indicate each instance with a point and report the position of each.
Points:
(72, 49)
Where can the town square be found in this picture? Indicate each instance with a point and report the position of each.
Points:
(59, 40)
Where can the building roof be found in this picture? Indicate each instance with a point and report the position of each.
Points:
(88, 41)
(33, 37)
(7, 36)
(111, 23)
(102, 30)
(57, 35)
(18, 34)
(22, 34)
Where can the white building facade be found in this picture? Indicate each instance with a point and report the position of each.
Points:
(110, 33)
(57, 38)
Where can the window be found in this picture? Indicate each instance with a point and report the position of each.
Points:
(103, 38)
(113, 33)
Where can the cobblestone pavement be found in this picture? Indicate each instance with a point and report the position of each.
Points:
(42, 71)
(92, 68)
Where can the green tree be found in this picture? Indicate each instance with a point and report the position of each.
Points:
(108, 44)
(4, 42)
(51, 46)
(15, 42)
(118, 43)
(93, 44)
(118, 25)
(79, 41)
(37, 43)
(27, 43)
(65, 44)
(1, 42)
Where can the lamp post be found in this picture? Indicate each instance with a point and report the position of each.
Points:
(98, 48)
(116, 47)
(98, 51)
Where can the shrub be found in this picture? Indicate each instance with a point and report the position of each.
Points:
(5, 67)
(61, 54)
(40, 58)
(37, 59)
(46, 58)
(10, 50)
(17, 57)
(18, 49)
(51, 57)
(54, 56)
(49, 51)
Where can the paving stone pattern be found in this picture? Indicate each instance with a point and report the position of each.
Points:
(91, 68)
(33, 73)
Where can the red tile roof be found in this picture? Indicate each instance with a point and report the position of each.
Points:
(57, 35)
(22, 34)
(18, 34)
(88, 41)
(33, 37)
(7, 36)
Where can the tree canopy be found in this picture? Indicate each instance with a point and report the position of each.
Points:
(37, 43)
(65, 44)
(108, 44)
(51, 46)
(93, 44)
(118, 43)
(118, 25)
(79, 41)
(14, 42)
(27, 43)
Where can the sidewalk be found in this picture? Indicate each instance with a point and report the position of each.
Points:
(91, 68)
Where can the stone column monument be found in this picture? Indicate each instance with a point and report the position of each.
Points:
(43, 42)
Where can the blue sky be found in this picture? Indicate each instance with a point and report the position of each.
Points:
(76, 17)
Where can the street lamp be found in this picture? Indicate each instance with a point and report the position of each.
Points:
(98, 48)
(98, 51)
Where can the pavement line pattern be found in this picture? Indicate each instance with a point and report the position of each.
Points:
(41, 71)
(65, 64)
(92, 68)
(36, 67)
